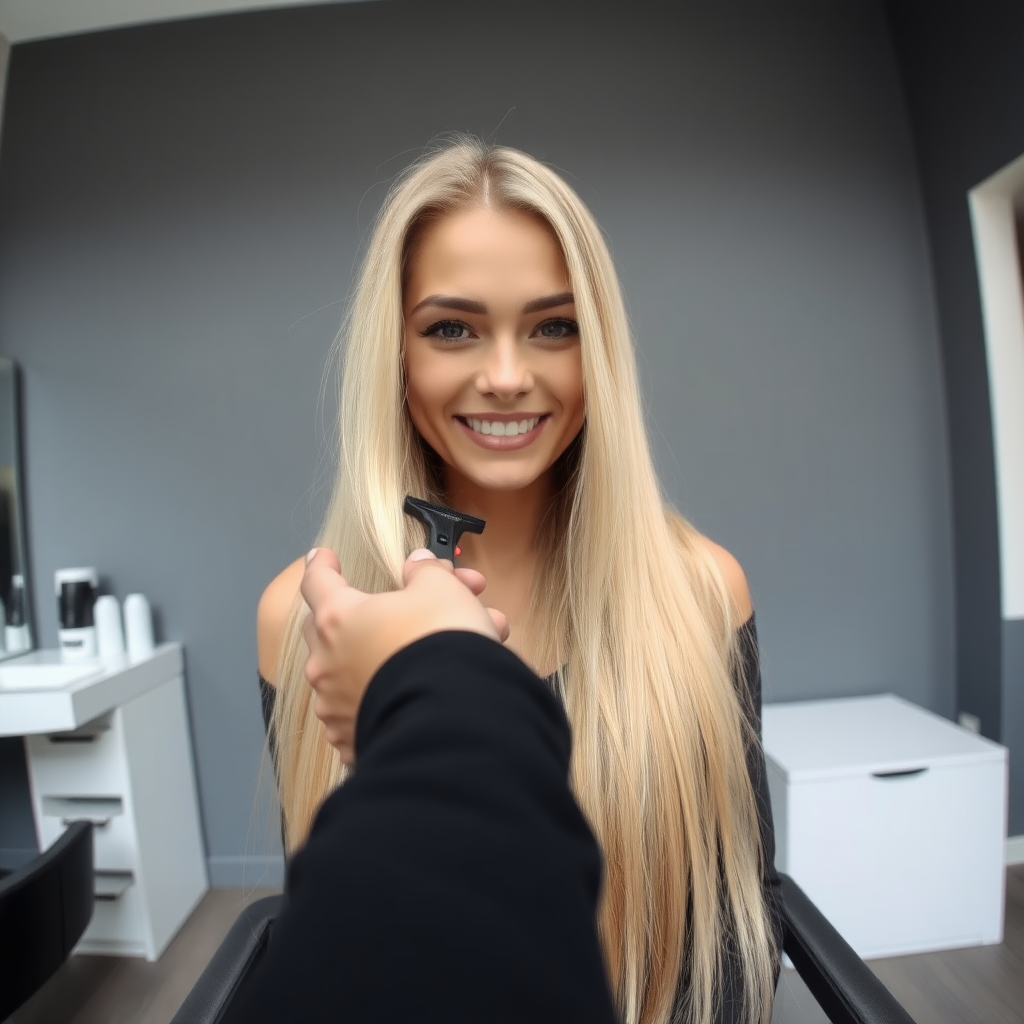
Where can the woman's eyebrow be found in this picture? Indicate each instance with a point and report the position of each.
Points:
(450, 302)
(549, 302)
(469, 306)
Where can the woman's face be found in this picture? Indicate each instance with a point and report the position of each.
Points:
(491, 350)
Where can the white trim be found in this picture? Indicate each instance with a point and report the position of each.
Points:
(1002, 301)
(1015, 850)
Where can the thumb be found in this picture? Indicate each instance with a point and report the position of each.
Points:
(420, 558)
(322, 581)
(323, 558)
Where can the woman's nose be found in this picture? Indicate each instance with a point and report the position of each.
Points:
(506, 374)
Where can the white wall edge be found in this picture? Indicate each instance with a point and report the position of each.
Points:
(1015, 850)
(5, 59)
(1002, 301)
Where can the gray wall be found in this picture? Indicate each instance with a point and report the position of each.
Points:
(181, 208)
(963, 68)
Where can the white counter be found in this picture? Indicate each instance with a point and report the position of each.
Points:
(113, 746)
(25, 710)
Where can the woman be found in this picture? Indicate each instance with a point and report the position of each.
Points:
(488, 367)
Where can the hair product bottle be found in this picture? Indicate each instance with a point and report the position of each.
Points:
(76, 595)
(17, 635)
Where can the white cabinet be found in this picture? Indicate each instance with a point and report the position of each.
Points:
(891, 819)
(128, 769)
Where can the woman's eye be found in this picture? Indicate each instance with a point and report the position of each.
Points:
(558, 329)
(447, 330)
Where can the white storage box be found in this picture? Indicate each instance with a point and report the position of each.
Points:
(891, 819)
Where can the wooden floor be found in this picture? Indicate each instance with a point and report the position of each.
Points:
(984, 983)
(981, 984)
(129, 990)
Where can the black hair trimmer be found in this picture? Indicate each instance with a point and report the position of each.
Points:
(444, 525)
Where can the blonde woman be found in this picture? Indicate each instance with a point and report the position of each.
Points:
(488, 366)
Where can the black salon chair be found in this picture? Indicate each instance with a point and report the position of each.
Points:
(843, 985)
(45, 906)
(839, 980)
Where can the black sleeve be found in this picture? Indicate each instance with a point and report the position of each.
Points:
(758, 773)
(268, 695)
(748, 683)
(453, 877)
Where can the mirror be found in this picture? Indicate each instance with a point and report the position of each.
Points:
(16, 635)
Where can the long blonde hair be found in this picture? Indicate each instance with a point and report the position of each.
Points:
(643, 620)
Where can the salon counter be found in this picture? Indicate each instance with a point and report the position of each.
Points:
(113, 747)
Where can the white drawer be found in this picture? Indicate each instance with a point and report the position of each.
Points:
(118, 926)
(113, 833)
(901, 862)
(90, 760)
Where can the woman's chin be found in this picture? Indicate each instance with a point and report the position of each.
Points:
(506, 479)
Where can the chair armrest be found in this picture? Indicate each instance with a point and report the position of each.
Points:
(45, 906)
(243, 946)
(839, 980)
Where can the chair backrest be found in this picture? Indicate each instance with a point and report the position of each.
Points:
(45, 906)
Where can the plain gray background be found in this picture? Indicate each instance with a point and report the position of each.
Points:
(181, 210)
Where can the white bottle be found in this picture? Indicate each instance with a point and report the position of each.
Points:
(109, 634)
(76, 595)
(17, 635)
(138, 626)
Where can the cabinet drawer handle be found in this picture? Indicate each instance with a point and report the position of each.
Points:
(905, 773)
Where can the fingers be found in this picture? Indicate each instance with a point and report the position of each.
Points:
(472, 579)
(421, 561)
(501, 623)
(416, 561)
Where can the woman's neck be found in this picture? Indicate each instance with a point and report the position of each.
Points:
(506, 554)
(507, 545)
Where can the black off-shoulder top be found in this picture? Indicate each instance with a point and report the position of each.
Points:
(748, 683)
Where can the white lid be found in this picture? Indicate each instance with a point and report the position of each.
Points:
(81, 574)
(853, 735)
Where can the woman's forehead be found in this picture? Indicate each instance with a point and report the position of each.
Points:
(487, 250)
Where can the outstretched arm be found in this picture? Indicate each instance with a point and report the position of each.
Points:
(453, 877)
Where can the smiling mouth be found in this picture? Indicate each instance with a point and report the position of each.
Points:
(501, 428)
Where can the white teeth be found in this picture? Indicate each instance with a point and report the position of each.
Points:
(498, 429)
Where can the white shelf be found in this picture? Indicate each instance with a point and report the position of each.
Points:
(24, 711)
(111, 885)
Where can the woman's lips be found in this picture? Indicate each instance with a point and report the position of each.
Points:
(502, 444)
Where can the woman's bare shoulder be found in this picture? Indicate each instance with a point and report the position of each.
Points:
(734, 576)
(272, 616)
